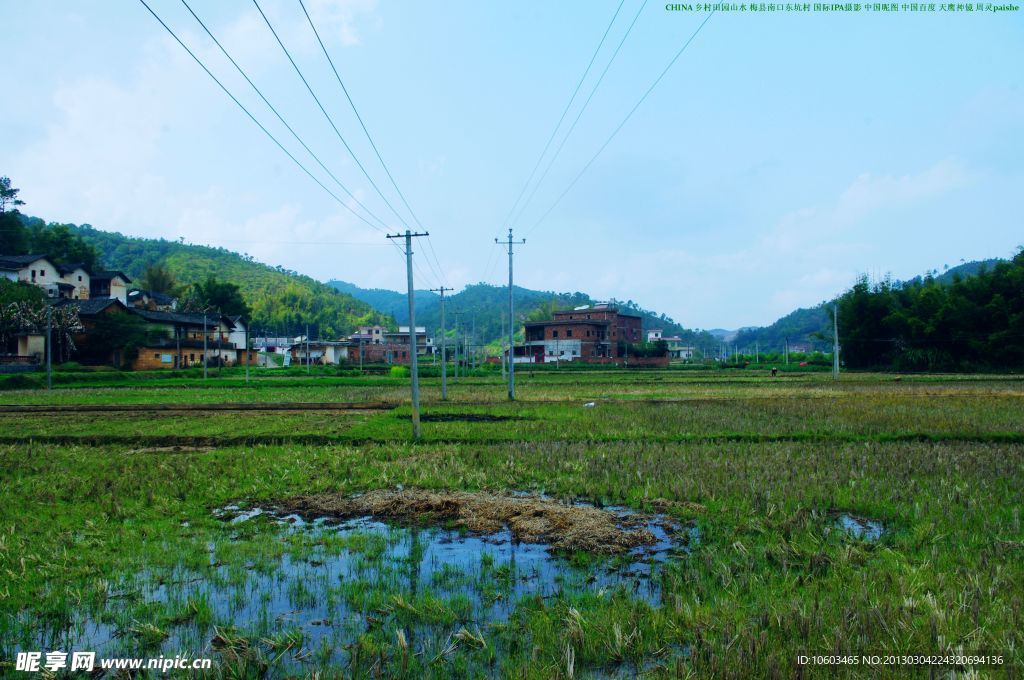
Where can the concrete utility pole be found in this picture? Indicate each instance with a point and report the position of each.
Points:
(511, 318)
(835, 342)
(787, 351)
(457, 346)
(49, 341)
(360, 353)
(414, 369)
(307, 348)
(444, 359)
(501, 346)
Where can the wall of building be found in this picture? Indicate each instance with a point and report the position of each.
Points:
(44, 273)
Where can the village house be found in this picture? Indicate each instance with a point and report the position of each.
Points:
(326, 352)
(424, 344)
(148, 299)
(369, 335)
(184, 343)
(110, 285)
(591, 333)
(677, 348)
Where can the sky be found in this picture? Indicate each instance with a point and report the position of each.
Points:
(779, 158)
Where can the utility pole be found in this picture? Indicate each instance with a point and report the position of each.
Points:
(444, 358)
(49, 341)
(835, 342)
(414, 369)
(360, 352)
(787, 351)
(501, 347)
(757, 351)
(457, 346)
(307, 348)
(511, 319)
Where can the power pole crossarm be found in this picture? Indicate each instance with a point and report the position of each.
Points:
(413, 367)
(511, 318)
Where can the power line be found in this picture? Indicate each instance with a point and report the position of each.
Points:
(327, 115)
(254, 120)
(358, 117)
(279, 116)
(564, 112)
(439, 271)
(624, 121)
(579, 115)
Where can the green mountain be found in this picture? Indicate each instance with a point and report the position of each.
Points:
(813, 326)
(486, 306)
(282, 301)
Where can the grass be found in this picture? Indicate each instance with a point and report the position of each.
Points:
(762, 467)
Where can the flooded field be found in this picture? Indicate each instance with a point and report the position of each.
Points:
(300, 593)
(703, 526)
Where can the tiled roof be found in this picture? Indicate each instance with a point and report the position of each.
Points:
(64, 269)
(90, 307)
(18, 261)
(181, 318)
(106, 276)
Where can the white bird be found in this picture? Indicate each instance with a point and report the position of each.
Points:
(589, 404)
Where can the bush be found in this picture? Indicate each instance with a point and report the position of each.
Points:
(399, 372)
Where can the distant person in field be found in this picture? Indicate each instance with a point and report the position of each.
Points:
(775, 372)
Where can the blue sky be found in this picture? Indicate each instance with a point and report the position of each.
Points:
(781, 156)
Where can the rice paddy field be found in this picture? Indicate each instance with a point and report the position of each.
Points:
(606, 524)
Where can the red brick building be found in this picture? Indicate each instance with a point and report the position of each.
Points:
(586, 333)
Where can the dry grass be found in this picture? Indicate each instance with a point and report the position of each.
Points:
(530, 519)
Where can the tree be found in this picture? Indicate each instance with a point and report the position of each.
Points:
(62, 245)
(125, 333)
(222, 296)
(158, 278)
(9, 195)
(14, 238)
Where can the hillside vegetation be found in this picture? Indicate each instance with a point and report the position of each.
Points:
(282, 301)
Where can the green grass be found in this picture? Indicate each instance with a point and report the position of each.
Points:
(762, 466)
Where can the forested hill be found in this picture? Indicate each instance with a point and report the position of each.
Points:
(282, 301)
(487, 307)
(812, 326)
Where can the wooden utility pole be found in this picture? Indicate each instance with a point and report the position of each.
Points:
(413, 367)
(511, 318)
(444, 359)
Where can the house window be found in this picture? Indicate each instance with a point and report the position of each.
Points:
(568, 333)
(554, 334)
(33, 274)
(191, 357)
(156, 355)
(42, 272)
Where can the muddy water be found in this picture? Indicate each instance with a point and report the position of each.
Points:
(351, 576)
